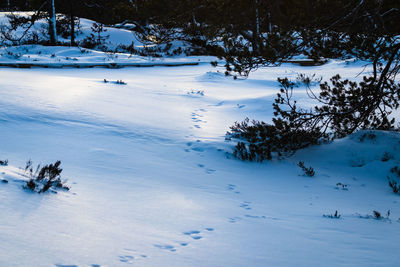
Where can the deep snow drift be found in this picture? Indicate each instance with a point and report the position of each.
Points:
(153, 182)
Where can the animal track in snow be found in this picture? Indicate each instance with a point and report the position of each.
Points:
(232, 187)
(194, 234)
(165, 247)
(245, 205)
(234, 219)
(126, 259)
(208, 170)
(341, 186)
(196, 115)
(195, 93)
(130, 256)
(194, 146)
(196, 118)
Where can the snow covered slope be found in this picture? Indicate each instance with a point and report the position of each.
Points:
(84, 29)
(153, 182)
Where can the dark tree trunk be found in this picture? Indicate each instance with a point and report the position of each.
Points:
(52, 23)
(72, 18)
(256, 31)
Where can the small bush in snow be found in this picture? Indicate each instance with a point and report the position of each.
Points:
(83, 50)
(377, 215)
(307, 171)
(394, 185)
(395, 170)
(126, 48)
(45, 178)
(386, 157)
(4, 162)
(63, 25)
(336, 215)
(308, 80)
(97, 38)
(30, 185)
(196, 92)
(29, 167)
(14, 55)
(343, 107)
(288, 132)
(342, 186)
(260, 141)
(120, 82)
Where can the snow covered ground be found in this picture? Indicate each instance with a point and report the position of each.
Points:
(153, 182)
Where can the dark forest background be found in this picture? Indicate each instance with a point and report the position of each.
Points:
(210, 16)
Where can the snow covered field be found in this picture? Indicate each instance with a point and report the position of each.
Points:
(153, 182)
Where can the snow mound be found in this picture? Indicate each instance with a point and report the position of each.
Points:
(374, 152)
(376, 145)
